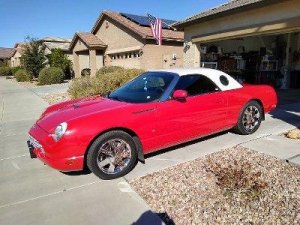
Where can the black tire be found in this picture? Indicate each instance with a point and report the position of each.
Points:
(240, 128)
(94, 152)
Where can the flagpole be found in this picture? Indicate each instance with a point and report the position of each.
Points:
(149, 15)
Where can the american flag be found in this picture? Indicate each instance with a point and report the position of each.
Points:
(156, 27)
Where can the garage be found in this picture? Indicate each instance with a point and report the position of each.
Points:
(264, 59)
(256, 41)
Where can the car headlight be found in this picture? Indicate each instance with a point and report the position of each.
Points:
(60, 130)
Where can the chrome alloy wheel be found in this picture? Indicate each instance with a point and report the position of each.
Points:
(114, 156)
(251, 118)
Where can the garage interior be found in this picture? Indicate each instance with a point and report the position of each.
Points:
(272, 59)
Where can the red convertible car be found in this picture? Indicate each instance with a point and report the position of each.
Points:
(158, 109)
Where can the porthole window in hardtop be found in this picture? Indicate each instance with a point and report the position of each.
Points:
(224, 80)
(196, 84)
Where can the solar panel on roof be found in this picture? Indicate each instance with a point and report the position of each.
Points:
(144, 21)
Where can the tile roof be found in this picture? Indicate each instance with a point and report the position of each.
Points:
(56, 39)
(143, 31)
(6, 53)
(61, 45)
(222, 9)
(20, 45)
(89, 39)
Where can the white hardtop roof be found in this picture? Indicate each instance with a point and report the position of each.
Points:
(212, 74)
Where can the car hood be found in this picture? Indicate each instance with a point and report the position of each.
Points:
(73, 109)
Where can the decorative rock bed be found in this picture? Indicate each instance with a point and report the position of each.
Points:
(234, 186)
(56, 98)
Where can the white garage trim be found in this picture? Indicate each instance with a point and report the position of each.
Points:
(276, 27)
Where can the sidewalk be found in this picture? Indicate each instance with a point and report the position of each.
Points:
(32, 193)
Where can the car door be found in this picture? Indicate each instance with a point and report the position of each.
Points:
(203, 112)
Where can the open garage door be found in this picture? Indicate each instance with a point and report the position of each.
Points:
(266, 58)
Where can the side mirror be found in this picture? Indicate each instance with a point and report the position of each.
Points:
(180, 95)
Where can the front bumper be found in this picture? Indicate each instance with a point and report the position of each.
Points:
(55, 155)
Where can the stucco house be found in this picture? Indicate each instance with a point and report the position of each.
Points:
(50, 43)
(59, 43)
(6, 53)
(120, 39)
(16, 56)
(256, 40)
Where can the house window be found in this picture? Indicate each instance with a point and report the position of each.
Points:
(128, 55)
(136, 55)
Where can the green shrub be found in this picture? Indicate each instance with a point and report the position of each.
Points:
(22, 75)
(59, 59)
(51, 75)
(33, 56)
(107, 82)
(113, 80)
(15, 69)
(5, 71)
(84, 87)
(108, 69)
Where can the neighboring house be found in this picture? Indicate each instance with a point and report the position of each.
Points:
(16, 57)
(255, 39)
(50, 43)
(59, 43)
(6, 53)
(120, 39)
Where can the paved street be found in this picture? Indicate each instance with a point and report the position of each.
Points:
(31, 193)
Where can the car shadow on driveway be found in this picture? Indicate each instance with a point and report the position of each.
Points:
(83, 172)
(151, 218)
(288, 114)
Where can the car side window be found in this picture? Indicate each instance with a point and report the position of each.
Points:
(196, 84)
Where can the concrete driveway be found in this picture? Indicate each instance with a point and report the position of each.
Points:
(31, 193)
(50, 89)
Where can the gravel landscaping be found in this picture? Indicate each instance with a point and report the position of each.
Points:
(234, 186)
(56, 98)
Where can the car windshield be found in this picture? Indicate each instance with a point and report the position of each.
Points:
(147, 87)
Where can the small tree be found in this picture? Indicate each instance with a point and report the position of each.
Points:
(58, 59)
(33, 58)
(4, 63)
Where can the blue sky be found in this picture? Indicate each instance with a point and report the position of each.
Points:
(62, 18)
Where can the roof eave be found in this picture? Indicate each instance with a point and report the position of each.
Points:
(181, 25)
(101, 17)
(76, 37)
